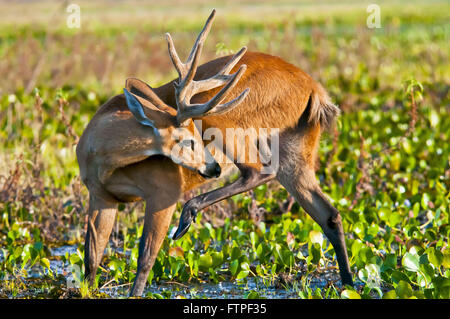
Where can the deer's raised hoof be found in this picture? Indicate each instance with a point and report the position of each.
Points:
(187, 216)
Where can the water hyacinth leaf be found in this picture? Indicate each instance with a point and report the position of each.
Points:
(212, 231)
(390, 295)
(398, 276)
(263, 252)
(235, 253)
(242, 274)
(175, 266)
(205, 261)
(390, 262)
(74, 259)
(372, 230)
(446, 258)
(350, 294)
(262, 228)
(234, 265)
(384, 213)
(411, 262)
(316, 237)
(356, 247)
(424, 201)
(395, 218)
(253, 295)
(217, 259)
(404, 290)
(150, 277)
(45, 263)
(38, 246)
(363, 275)
(442, 285)
(191, 258)
(245, 270)
(253, 239)
(359, 229)
(315, 252)
(278, 254)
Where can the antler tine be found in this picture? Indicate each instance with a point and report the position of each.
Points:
(179, 66)
(223, 108)
(221, 94)
(202, 36)
(235, 59)
(213, 106)
(186, 71)
(186, 87)
(220, 78)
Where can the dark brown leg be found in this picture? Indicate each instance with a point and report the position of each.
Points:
(302, 184)
(250, 178)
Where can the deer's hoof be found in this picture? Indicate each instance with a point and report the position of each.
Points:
(187, 216)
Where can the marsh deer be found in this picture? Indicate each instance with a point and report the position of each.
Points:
(270, 94)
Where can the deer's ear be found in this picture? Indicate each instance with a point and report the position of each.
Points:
(137, 109)
(143, 90)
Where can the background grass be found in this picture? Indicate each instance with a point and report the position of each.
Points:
(386, 166)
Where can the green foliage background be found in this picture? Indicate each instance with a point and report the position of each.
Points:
(385, 166)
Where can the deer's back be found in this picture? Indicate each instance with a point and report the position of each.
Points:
(279, 92)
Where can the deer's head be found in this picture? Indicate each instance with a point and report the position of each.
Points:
(175, 133)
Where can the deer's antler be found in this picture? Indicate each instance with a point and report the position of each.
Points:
(186, 87)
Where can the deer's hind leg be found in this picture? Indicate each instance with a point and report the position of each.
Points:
(297, 175)
(102, 214)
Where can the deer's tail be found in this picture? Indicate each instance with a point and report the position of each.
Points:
(321, 110)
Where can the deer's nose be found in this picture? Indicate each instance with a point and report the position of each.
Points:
(217, 170)
(212, 170)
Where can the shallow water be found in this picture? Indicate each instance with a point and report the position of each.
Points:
(221, 290)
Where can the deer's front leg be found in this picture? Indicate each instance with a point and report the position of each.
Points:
(250, 178)
(155, 229)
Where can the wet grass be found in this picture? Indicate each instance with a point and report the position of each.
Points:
(385, 166)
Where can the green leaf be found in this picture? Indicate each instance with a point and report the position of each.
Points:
(316, 237)
(398, 276)
(234, 267)
(446, 259)
(350, 294)
(404, 290)
(38, 246)
(315, 253)
(244, 272)
(356, 247)
(253, 295)
(205, 261)
(390, 295)
(217, 259)
(435, 256)
(424, 201)
(253, 239)
(235, 253)
(411, 262)
(74, 259)
(390, 262)
(45, 263)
